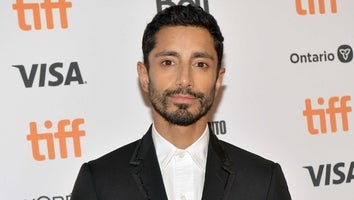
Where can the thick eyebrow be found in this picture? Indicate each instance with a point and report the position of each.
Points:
(175, 54)
(202, 55)
(167, 53)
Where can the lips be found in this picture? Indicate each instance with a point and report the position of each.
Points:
(183, 98)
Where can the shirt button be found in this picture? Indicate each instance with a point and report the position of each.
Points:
(181, 154)
(183, 197)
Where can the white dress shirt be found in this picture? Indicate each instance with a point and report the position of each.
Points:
(183, 170)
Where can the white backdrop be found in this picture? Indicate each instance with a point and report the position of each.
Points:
(261, 107)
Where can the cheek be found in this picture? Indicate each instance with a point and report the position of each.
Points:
(158, 84)
(162, 80)
(205, 83)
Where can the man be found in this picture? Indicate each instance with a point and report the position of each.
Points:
(179, 157)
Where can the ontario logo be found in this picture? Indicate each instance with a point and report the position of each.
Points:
(344, 54)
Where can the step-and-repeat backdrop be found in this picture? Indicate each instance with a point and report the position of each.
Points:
(69, 89)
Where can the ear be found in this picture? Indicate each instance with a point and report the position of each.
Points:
(143, 76)
(218, 83)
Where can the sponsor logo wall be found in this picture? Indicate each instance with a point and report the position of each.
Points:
(70, 91)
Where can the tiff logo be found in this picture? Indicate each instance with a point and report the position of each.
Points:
(336, 106)
(33, 10)
(65, 129)
(314, 6)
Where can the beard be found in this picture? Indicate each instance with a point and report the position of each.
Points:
(184, 114)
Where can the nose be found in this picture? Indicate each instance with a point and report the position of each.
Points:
(184, 76)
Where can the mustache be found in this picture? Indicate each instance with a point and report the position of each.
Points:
(184, 91)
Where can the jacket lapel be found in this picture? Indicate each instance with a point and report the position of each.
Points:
(220, 172)
(146, 171)
(219, 176)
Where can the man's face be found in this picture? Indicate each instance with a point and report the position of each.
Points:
(182, 79)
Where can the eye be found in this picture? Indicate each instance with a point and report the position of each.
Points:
(201, 64)
(167, 62)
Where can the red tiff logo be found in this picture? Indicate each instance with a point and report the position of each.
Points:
(33, 9)
(337, 109)
(65, 129)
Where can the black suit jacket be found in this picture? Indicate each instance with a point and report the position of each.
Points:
(132, 172)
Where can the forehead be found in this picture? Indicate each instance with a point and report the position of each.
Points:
(168, 31)
(184, 38)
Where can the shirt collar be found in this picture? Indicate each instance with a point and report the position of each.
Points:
(165, 150)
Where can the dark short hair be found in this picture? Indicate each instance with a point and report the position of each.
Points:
(181, 15)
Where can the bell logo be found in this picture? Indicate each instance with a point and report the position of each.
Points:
(48, 6)
(336, 106)
(64, 131)
(162, 4)
(312, 5)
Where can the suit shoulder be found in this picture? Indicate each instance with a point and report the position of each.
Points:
(117, 157)
(243, 158)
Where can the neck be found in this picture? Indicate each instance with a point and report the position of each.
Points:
(180, 136)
